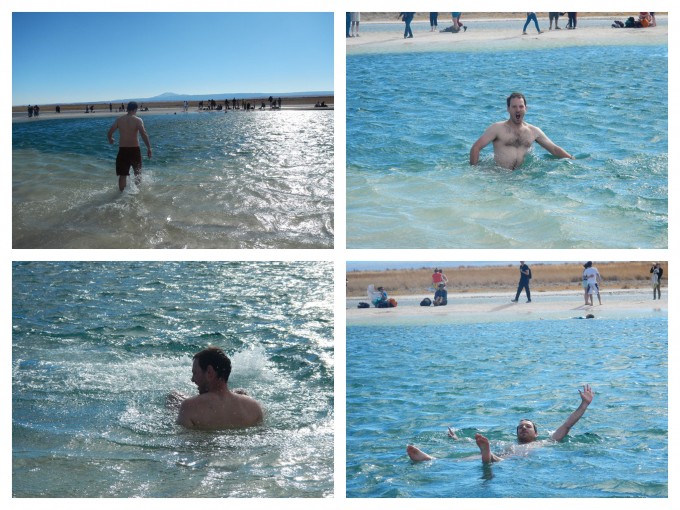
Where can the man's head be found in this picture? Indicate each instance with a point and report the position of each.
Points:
(526, 431)
(132, 107)
(517, 107)
(210, 365)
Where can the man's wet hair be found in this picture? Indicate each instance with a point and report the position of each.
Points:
(524, 419)
(514, 95)
(215, 357)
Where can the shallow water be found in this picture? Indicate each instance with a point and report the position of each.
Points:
(96, 347)
(407, 384)
(412, 118)
(216, 180)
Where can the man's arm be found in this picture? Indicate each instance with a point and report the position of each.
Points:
(185, 412)
(586, 398)
(145, 137)
(484, 140)
(550, 146)
(112, 130)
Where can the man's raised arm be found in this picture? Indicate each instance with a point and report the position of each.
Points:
(586, 398)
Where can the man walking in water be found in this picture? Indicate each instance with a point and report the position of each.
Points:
(513, 138)
(215, 407)
(527, 432)
(129, 154)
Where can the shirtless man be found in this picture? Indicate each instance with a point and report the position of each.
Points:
(215, 407)
(526, 432)
(129, 154)
(512, 138)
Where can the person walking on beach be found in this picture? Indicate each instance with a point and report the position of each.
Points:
(524, 277)
(531, 16)
(594, 279)
(513, 138)
(407, 17)
(526, 431)
(129, 154)
(215, 407)
(656, 272)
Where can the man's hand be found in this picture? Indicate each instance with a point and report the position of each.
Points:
(587, 394)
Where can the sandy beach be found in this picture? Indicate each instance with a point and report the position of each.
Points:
(493, 307)
(19, 113)
(505, 34)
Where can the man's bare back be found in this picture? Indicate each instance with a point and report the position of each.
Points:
(219, 410)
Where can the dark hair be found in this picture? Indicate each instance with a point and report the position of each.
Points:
(514, 95)
(132, 106)
(215, 357)
(524, 419)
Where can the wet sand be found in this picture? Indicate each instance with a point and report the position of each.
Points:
(493, 307)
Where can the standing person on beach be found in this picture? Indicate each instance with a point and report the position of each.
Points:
(524, 277)
(571, 24)
(407, 17)
(656, 272)
(531, 16)
(513, 138)
(554, 16)
(129, 154)
(594, 279)
(527, 432)
(433, 21)
(457, 24)
(356, 18)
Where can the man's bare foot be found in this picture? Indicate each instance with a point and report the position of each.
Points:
(484, 447)
(416, 455)
(452, 433)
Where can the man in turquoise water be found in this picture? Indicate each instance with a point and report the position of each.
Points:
(215, 407)
(513, 138)
(527, 432)
(129, 154)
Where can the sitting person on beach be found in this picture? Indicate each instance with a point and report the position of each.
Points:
(129, 154)
(513, 138)
(527, 432)
(215, 407)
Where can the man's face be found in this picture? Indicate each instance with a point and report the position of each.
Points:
(517, 110)
(526, 432)
(199, 377)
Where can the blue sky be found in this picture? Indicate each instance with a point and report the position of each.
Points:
(87, 57)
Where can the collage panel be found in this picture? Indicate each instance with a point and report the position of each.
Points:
(466, 133)
(172, 379)
(458, 389)
(221, 136)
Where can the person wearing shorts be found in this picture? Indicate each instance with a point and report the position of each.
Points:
(129, 154)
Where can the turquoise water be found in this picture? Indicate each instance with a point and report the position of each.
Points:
(216, 180)
(406, 384)
(412, 118)
(96, 347)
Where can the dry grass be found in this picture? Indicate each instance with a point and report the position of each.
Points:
(546, 277)
(98, 106)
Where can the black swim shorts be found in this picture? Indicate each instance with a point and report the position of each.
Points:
(128, 157)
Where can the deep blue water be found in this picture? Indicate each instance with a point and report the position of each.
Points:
(407, 384)
(216, 180)
(412, 118)
(96, 347)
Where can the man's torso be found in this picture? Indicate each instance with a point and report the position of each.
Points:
(512, 144)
